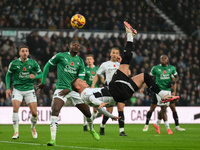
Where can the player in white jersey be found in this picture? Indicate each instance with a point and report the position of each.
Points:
(122, 87)
(96, 97)
(108, 68)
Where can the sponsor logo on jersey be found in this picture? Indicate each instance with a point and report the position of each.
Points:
(24, 74)
(164, 71)
(114, 65)
(24, 68)
(93, 72)
(72, 63)
(70, 69)
(164, 76)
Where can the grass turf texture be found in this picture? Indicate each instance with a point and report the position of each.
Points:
(73, 137)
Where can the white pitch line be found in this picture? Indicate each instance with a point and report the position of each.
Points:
(75, 147)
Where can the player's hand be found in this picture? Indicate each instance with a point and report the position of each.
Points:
(102, 105)
(32, 76)
(170, 84)
(119, 59)
(141, 90)
(173, 93)
(8, 93)
(92, 86)
(40, 87)
(116, 118)
(64, 92)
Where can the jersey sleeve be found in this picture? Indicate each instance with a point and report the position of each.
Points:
(94, 100)
(37, 70)
(153, 72)
(174, 72)
(10, 67)
(55, 59)
(37, 67)
(101, 70)
(81, 72)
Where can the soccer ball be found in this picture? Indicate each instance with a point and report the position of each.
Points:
(78, 21)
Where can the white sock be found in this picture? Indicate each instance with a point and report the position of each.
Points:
(15, 119)
(33, 121)
(146, 125)
(90, 123)
(94, 115)
(121, 130)
(53, 127)
(84, 121)
(129, 37)
(166, 124)
(102, 125)
(158, 122)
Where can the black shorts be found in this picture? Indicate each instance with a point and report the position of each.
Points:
(122, 87)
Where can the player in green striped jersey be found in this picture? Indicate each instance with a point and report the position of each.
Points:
(23, 70)
(90, 72)
(166, 76)
(69, 67)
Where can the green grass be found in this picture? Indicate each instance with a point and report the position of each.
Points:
(73, 137)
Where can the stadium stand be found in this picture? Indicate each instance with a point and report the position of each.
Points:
(183, 52)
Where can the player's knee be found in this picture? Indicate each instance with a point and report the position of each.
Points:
(55, 111)
(34, 114)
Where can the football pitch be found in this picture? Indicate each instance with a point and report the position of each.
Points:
(73, 137)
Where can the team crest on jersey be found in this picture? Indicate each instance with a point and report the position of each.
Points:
(24, 68)
(169, 69)
(77, 63)
(72, 63)
(164, 71)
(85, 93)
(29, 67)
(92, 72)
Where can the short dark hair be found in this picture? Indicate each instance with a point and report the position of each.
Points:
(23, 46)
(116, 48)
(73, 85)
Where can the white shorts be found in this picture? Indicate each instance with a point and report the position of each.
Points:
(28, 96)
(159, 103)
(73, 97)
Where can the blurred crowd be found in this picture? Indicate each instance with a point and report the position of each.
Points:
(100, 15)
(185, 13)
(183, 54)
(106, 15)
